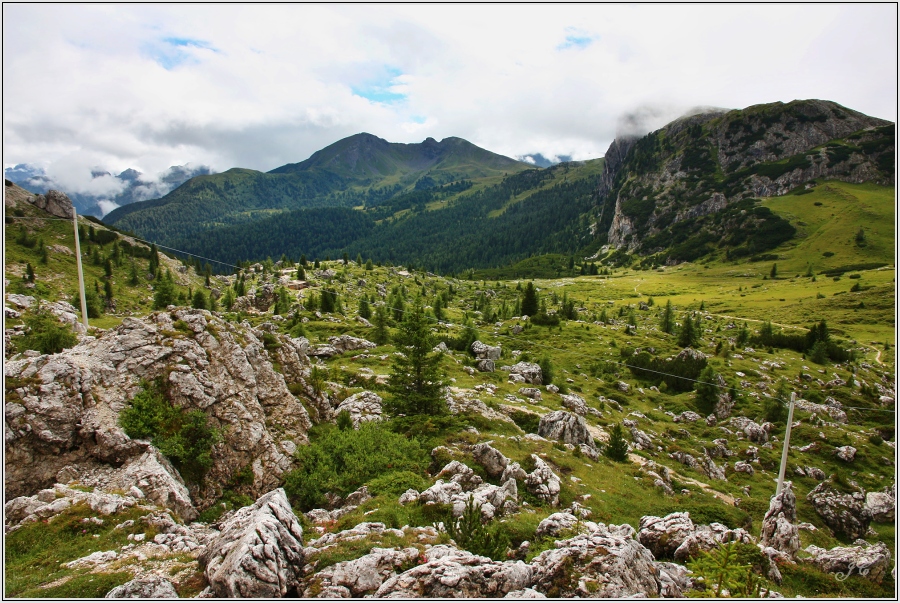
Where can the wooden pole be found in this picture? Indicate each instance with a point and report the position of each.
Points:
(787, 443)
(84, 316)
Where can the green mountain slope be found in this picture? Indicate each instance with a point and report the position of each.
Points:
(358, 170)
(685, 191)
(531, 212)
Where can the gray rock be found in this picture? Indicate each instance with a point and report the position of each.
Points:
(259, 551)
(450, 573)
(347, 343)
(882, 505)
(685, 459)
(663, 535)
(843, 513)
(709, 538)
(606, 563)
(440, 493)
(743, 467)
(54, 203)
(575, 404)
(709, 467)
(555, 524)
(565, 427)
(845, 453)
(485, 365)
(72, 400)
(362, 576)
(754, 431)
(363, 406)
(641, 440)
(542, 482)
(869, 560)
(461, 474)
(529, 371)
(490, 458)
(687, 416)
(513, 471)
(531, 392)
(150, 587)
(483, 351)
(778, 529)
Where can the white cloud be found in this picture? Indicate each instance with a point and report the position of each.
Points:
(107, 206)
(150, 86)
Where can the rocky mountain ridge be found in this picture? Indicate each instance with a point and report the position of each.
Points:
(701, 164)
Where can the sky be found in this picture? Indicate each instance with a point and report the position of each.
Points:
(107, 87)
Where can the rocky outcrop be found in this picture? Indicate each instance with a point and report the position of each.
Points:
(606, 563)
(669, 169)
(869, 560)
(528, 371)
(845, 453)
(676, 536)
(451, 573)
(822, 409)
(565, 427)
(542, 482)
(846, 514)
(62, 409)
(493, 461)
(362, 576)
(153, 587)
(483, 351)
(348, 343)
(663, 535)
(54, 203)
(778, 526)
(364, 406)
(259, 552)
(882, 505)
(557, 523)
(752, 430)
(491, 500)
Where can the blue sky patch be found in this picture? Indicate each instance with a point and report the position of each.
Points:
(172, 51)
(378, 88)
(577, 38)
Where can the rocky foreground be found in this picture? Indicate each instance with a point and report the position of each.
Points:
(65, 450)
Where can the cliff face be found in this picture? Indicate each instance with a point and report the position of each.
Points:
(701, 164)
(62, 410)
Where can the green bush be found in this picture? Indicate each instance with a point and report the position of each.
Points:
(476, 537)
(617, 448)
(46, 335)
(396, 483)
(184, 437)
(341, 461)
(527, 422)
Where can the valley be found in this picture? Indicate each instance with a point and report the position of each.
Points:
(614, 344)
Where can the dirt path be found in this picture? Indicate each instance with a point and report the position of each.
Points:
(687, 480)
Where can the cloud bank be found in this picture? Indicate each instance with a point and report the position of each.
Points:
(111, 87)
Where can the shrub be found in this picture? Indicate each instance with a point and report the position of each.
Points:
(546, 370)
(46, 335)
(474, 536)
(526, 421)
(707, 391)
(184, 437)
(396, 483)
(726, 569)
(342, 461)
(617, 448)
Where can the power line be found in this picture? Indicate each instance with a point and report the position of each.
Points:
(530, 343)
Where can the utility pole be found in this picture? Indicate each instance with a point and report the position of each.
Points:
(84, 317)
(787, 443)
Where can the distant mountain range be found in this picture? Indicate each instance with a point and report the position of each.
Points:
(133, 185)
(677, 194)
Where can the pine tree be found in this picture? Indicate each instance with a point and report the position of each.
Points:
(108, 290)
(133, 278)
(530, 304)
(707, 393)
(774, 271)
(417, 380)
(199, 300)
(164, 292)
(365, 311)
(617, 448)
(228, 300)
(688, 336)
(380, 335)
(667, 323)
